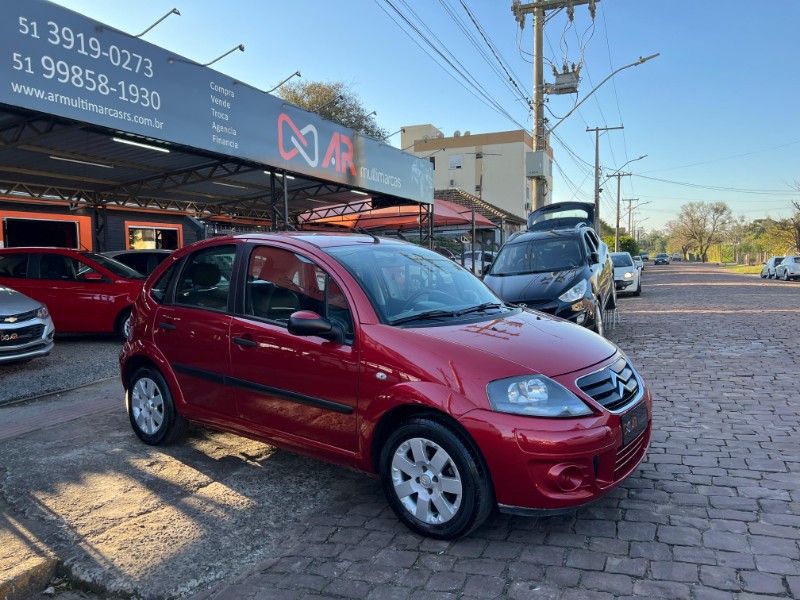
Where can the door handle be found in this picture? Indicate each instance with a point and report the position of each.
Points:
(244, 342)
(167, 326)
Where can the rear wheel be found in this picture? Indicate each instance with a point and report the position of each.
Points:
(151, 409)
(786, 275)
(123, 325)
(435, 483)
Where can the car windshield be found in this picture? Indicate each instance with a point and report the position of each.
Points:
(116, 267)
(621, 260)
(538, 256)
(413, 285)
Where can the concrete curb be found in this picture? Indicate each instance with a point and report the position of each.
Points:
(32, 579)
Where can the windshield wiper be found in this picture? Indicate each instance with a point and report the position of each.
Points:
(428, 314)
(480, 307)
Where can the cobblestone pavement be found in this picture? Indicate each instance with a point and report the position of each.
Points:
(712, 514)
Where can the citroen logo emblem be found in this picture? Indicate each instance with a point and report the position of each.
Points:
(617, 384)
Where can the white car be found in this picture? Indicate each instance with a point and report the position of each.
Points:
(26, 329)
(481, 260)
(627, 277)
(768, 271)
(637, 260)
(788, 268)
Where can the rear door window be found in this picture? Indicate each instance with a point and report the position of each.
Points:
(205, 280)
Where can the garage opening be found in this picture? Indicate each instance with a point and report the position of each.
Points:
(40, 232)
(153, 238)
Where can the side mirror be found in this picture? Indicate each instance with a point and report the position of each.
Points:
(594, 258)
(308, 323)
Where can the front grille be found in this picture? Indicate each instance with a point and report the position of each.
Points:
(26, 316)
(21, 336)
(614, 387)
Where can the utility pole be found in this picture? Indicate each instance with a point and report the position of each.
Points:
(597, 131)
(630, 202)
(539, 8)
(619, 177)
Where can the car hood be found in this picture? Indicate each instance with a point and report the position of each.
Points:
(534, 286)
(514, 343)
(13, 302)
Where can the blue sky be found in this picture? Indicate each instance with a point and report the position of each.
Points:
(716, 114)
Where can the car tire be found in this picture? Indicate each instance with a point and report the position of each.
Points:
(638, 291)
(599, 326)
(123, 324)
(151, 409)
(435, 482)
(786, 275)
(612, 303)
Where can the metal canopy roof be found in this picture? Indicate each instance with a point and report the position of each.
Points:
(53, 158)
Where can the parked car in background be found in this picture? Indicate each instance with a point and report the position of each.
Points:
(387, 357)
(677, 257)
(662, 258)
(477, 261)
(627, 276)
(26, 329)
(768, 270)
(788, 268)
(84, 292)
(645, 256)
(559, 266)
(144, 261)
(637, 260)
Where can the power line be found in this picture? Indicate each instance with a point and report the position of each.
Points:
(720, 188)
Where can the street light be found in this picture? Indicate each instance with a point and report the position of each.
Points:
(619, 177)
(597, 87)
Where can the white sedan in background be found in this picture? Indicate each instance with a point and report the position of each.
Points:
(788, 268)
(627, 277)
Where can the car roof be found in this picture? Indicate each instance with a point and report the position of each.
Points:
(526, 236)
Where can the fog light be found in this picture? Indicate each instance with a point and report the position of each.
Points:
(581, 319)
(565, 477)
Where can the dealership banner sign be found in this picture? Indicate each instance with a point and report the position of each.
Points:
(60, 62)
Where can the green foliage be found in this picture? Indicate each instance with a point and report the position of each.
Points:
(626, 243)
(335, 102)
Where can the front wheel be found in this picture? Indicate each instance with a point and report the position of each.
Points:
(151, 409)
(638, 291)
(435, 483)
(599, 326)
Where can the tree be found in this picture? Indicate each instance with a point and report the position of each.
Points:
(626, 243)
(702, 224)
(335, 102)
(795, 223)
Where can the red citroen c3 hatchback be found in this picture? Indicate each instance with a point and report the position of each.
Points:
(85, 292)
(387, 357)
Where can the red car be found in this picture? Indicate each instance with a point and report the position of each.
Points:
(85, 292)
(384, 356)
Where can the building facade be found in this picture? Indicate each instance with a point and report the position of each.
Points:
(490, 166)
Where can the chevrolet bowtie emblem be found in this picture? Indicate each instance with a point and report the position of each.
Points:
(10, 320)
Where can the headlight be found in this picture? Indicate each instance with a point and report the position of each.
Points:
(534, 396)
(576, 292)
(628, 275)
(42, 313)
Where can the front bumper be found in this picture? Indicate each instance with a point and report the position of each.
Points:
(26, 340)
(623, 284)
(547, 466)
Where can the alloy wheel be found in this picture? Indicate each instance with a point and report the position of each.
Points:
(426, 481)
(147, 405)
